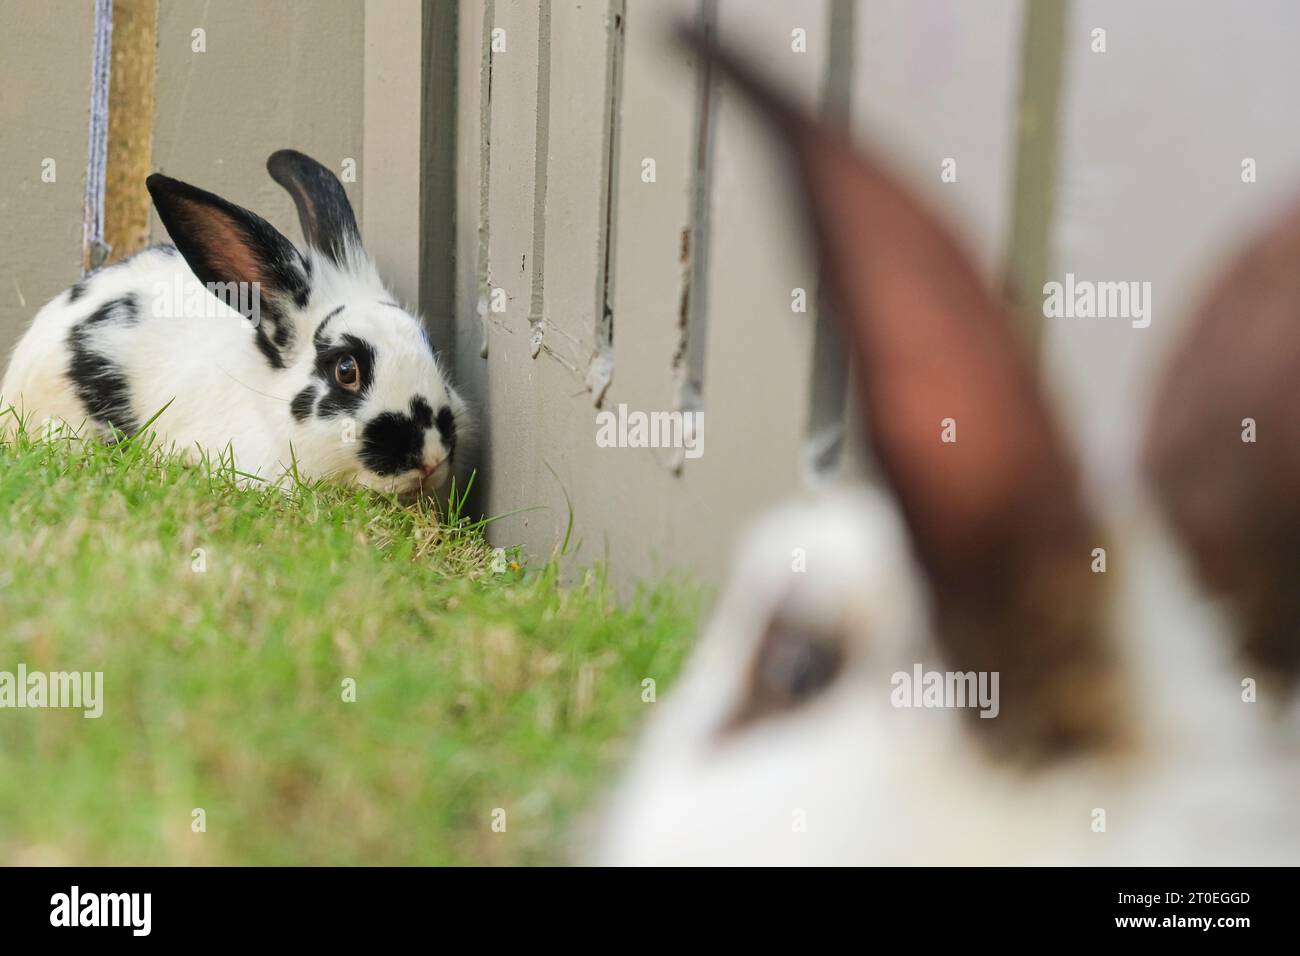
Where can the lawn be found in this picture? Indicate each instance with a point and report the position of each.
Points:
(229, 624)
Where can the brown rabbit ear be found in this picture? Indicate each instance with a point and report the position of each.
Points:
(1223, 446)
(962, 434)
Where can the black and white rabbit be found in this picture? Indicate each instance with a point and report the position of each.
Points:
(278, 357)
(1145, 711)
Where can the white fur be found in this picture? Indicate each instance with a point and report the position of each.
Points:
(1211, 780)
(224, 396)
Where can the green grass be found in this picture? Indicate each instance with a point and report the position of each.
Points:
(223, 689)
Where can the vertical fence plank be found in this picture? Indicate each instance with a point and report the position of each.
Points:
(567, 303)
(654, 511)
(606, 201)
(509, 457)
(473, 112)
(543, 452)
(704, 253)
(571, 299)
(550, 144)
(762, 277)
(657, 141)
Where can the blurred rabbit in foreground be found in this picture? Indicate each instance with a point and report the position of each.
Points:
(1124, 728)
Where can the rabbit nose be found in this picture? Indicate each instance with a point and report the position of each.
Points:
(426, 469)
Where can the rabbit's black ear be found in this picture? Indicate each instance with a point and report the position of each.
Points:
(328, 223)
(238, 255)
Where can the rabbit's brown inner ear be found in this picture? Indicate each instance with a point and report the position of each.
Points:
(964, 438)
(225, 243)
(227, 252)
(1235, 502)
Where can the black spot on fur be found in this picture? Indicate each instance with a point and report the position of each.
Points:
(100, 385)
(447, 429)
(337, 400)
(392, 443)
(77, 291)
(302, 403)
(280, 335)
(421, 412)
(319, 337)
(268, 349)
(123, 311)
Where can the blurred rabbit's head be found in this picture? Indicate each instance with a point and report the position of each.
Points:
(975, 664)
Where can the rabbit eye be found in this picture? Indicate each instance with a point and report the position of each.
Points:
(793, 666)
(347, 373)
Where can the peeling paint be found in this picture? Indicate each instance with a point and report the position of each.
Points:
(600, 372)
(688, 358)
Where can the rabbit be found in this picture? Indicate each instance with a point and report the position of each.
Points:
(1125, 728)
(244, 346)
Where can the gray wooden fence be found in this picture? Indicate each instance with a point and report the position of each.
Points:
(590, 223)
(1114, 155)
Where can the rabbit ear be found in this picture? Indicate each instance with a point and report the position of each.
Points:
(226, 244)
(1223, 445)
(961, 432)
(328, 223)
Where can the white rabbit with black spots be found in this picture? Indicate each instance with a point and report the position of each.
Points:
(244, 346)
